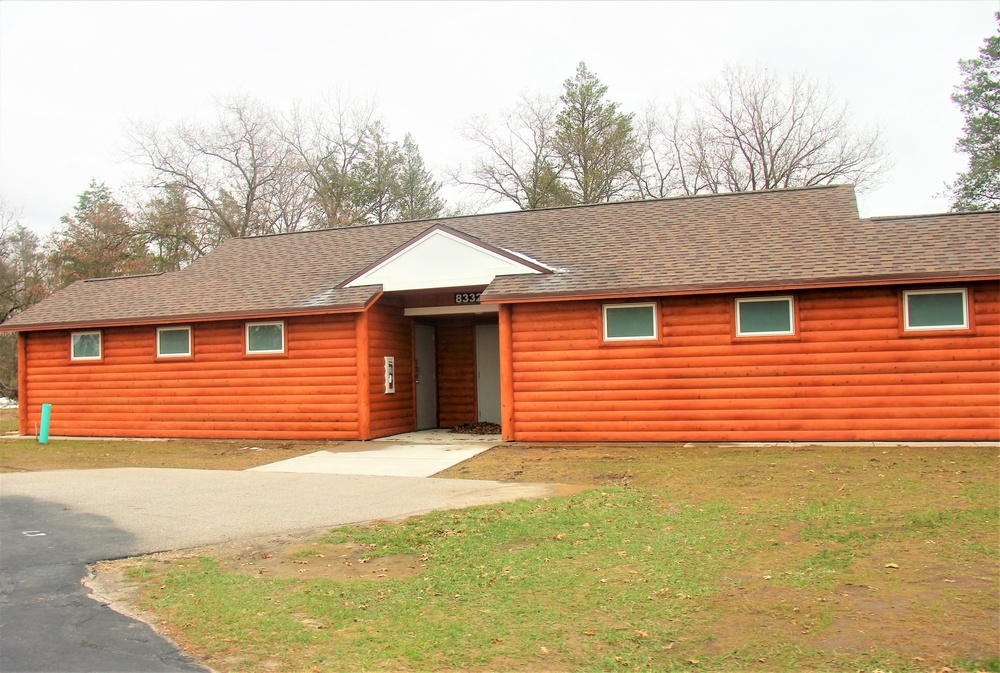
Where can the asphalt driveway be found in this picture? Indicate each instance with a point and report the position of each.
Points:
(52, 524)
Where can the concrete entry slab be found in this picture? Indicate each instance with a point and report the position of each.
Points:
(414, 454)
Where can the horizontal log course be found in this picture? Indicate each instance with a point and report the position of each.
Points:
(774, 387)
(185, 406)
(761, 398)
(114, 415)
(153, 427)
(760, 349)
(733, 375)
(716, 435)
(284, 385)
(719, 355)
(903, 427)
(295, 433)
(692, 413)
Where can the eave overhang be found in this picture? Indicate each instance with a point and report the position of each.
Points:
(175, 319)
(723, 288)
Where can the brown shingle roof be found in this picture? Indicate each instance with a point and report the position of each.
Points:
(788, 238)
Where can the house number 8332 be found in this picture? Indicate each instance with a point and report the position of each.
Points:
(467, 297)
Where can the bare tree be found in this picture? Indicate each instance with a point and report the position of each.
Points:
(23, 280)
(518, 160)
(329, 140)
(168, 228)
(659, 169)
(239, 176)
(355, 173)
(753, 130)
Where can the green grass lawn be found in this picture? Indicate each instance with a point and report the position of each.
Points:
(715, 559)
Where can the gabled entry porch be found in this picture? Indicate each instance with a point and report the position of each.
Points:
(453, 363)
(456, 369)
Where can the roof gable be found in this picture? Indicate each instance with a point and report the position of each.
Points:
(443, 257)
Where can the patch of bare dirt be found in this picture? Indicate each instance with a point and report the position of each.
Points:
(934, 612)
(279, 557)
(310, 559)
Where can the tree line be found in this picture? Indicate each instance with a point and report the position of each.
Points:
(255, 170)
(751, 129)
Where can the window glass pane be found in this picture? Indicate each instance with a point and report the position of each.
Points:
(766, 316)
(265, 338)
(941, 309)
(175, 341)
(630, 322)
(87, 346)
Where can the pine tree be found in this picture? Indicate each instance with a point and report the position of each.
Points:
(596, 142)
(978, 188)
(97, 241)
(417, 191)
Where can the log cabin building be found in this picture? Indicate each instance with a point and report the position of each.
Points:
(762, 316)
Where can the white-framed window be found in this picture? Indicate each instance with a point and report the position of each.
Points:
(935, 309)
(85, 345)
(765, 316)
(265, 337)
(173, 342)
(630, 322)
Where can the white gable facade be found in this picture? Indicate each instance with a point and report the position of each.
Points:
(440, 259)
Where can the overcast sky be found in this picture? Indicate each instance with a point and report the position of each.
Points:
(72, 74)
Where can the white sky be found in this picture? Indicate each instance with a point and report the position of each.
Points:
(73, 74)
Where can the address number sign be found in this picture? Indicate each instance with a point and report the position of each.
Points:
(467, 297)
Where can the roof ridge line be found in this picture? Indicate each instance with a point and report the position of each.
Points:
(680, 197)
(137, 275)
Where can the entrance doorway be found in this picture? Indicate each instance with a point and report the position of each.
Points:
(425, 364)
(457, 372)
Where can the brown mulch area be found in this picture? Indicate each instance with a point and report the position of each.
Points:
(477, 429)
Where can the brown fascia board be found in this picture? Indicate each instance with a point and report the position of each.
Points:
(791, 285)
(454, 232)
(356, 307)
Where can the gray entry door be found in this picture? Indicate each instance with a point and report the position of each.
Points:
(424, 353)
(488, 372)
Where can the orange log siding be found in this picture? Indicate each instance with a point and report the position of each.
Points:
(391, 334)
(848, 374)
(506, 373)
(456, 371)
(310, 392)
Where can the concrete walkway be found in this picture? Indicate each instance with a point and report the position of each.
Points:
(414, 454)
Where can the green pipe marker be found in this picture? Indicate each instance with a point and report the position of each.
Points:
(43, 431)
